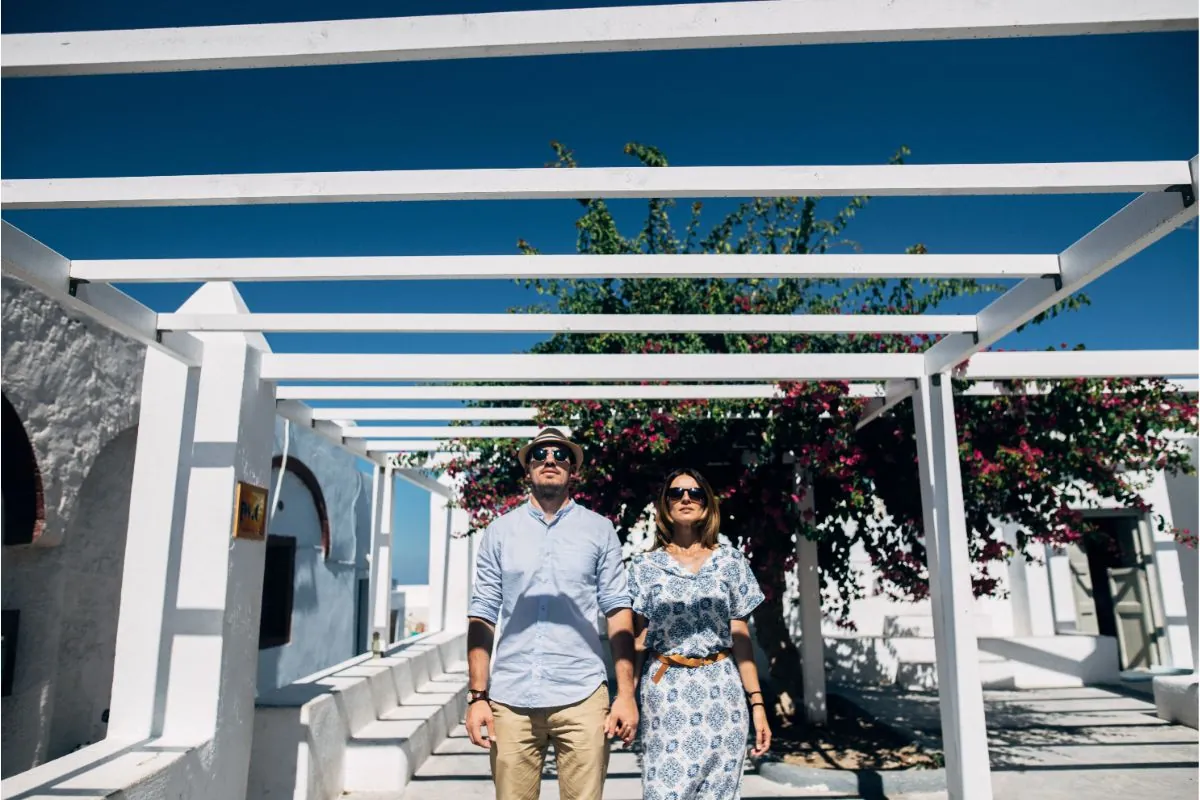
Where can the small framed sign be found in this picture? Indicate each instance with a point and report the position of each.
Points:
(250, 504)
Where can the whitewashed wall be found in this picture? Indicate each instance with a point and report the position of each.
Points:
(324, 590)
(75, 385)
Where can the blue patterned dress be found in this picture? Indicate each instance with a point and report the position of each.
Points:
(695, 721)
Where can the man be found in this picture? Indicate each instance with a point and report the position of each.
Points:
(545, 572)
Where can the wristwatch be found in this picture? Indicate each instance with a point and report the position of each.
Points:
(475, 695)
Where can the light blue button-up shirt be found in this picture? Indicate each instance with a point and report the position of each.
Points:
(544, 581)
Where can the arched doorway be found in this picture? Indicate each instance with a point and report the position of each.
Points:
(23, 510)
(293, 639)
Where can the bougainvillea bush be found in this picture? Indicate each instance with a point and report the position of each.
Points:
(1031, 458)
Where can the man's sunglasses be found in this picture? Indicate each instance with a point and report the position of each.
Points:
(540, 453)
(695, 492)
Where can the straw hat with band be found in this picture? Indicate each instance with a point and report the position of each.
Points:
(550, 436)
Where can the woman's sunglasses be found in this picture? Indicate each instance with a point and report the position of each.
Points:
(540, 453)
(695, 492)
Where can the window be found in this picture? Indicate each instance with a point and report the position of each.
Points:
(275, 626)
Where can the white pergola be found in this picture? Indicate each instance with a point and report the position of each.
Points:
(211, 380)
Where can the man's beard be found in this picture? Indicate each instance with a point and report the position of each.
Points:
(553, 491)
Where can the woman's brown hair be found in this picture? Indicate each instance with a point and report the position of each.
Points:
(708, 528)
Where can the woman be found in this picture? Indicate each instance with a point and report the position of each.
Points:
(691, 598)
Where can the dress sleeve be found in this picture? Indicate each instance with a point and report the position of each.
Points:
(637, 587)
(745, 595)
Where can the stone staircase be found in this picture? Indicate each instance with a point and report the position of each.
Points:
(364, 726)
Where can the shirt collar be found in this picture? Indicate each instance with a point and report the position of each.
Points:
(540, 516)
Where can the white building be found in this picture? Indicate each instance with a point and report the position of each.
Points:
(70, 411)
(1060, 619)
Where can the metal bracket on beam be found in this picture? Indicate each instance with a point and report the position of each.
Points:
(73, 285)
(1185, 189)
(1058, 285)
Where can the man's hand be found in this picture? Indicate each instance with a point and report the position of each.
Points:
(622, 719)
(479, 716)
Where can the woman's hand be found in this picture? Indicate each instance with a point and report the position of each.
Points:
(762, 730)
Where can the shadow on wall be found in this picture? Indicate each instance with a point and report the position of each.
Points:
(93, 561)
(910, 663)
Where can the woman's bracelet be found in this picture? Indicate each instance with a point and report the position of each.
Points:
(751, 694)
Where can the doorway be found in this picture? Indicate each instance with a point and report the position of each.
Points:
(1111, 583)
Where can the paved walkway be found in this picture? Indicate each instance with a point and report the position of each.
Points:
(459, 771)
(1063, 744)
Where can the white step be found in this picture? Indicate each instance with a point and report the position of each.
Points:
(383, 755)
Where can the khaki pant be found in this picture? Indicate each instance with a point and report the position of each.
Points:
(577, 731)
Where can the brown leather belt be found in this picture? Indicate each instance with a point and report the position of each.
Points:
(669, 661)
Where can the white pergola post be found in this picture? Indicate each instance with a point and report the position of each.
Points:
(376, 508)
(441, 524)
(964, 731)
(451, 561)
(212, 672)
(812, 640)
(157, 500)
(459, 563)
(381, 555)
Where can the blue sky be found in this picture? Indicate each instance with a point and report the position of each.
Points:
(1079, 99)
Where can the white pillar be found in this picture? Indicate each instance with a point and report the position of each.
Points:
(373, 553)
(964, 732)
(157, 500)
(1184, 506)
(440, 526)
(214, 624)
(1029, 590)
(381, 554)
(812, 640)
(459, 564)
(1062, 596)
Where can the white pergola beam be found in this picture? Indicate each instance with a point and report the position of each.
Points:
(1062, 365)
(531, 392)
(555, 392)
(585, 30)
(418, 478)
(394, 446)
(446, 431)
(761, 391)
(631, 367)
(598, 182)
(515, 267)
(366, 414)
(32, 262)
(1132, 229)
(995, 389)
(571, 323)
